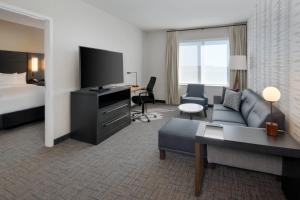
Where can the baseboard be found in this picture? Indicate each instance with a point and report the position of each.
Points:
(61, 139)
(160, 101)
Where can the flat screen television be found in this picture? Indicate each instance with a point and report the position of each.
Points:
(100, 67)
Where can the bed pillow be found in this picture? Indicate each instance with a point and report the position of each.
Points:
(21, 79)
(7, 79)
(232, 99)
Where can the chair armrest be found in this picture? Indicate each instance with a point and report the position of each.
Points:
(142, 94)
(206, 99)
(183, 96)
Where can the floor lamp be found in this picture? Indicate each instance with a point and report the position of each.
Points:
(237, 62)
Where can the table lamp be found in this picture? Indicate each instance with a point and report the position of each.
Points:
(272, 95)
(136, 85)
(34, 66)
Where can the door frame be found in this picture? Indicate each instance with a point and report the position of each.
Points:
(49, 69)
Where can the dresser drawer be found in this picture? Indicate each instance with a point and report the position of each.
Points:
(111, 112)
(109, 127)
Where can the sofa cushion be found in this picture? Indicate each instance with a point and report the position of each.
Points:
(228, 116)
(249, 98)
(259, 114)
(178, 135)
(232, 100)
(221, 107)
(230, 123)
(223, 94)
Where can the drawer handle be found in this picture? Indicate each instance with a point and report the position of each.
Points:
(113, 121)
(112, 110)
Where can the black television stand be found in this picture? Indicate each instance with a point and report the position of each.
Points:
(96, 115)
(99, 89)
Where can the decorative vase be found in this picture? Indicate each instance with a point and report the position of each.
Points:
(272, 129)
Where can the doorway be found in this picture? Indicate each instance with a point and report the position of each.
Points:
(22, 16)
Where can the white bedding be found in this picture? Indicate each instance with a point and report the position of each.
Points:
(21, 97)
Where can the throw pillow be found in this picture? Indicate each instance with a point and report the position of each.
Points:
(232, 99)
(21, 79)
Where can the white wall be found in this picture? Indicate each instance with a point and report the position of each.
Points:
(77, 23)
(16, 37)
(273, 52)
(154, 58)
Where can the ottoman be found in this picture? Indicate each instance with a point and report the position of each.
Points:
(178, 135)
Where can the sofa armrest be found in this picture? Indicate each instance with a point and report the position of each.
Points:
(217, 100)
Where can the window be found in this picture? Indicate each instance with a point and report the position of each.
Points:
(204, 62)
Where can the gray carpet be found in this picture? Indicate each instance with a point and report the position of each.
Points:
(125, 166)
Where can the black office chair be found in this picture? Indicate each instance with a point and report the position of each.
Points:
(143, 98)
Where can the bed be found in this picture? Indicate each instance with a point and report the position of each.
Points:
(19, 103)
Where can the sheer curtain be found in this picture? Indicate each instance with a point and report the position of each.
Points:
(171, 69)
(238, 46)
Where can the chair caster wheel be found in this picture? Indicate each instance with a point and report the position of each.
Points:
(154, 116)
(148, 120)
(133, 120)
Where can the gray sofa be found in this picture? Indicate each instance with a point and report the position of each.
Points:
(178, 135)
(254, 112)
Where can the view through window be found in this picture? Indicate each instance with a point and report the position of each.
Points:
(204, 61)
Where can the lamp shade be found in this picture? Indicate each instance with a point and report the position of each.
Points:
(238, 62)
(271, 94)
(34, 64)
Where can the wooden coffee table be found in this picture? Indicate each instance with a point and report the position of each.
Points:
(190, 108)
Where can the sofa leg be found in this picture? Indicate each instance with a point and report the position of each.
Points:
(205, 113)
(162, 154)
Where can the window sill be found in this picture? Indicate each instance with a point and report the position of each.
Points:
(209, 85)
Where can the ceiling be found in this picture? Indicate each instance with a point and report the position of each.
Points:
(175, 14)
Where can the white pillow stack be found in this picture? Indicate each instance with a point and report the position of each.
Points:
(7, 80)
(21, 79)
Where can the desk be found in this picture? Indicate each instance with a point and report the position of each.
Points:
(136, 89)
(255, 140)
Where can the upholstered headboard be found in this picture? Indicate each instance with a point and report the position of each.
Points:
(12, 62)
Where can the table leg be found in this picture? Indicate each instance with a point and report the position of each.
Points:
(199, 158)
(191, 116)
(291, 177)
